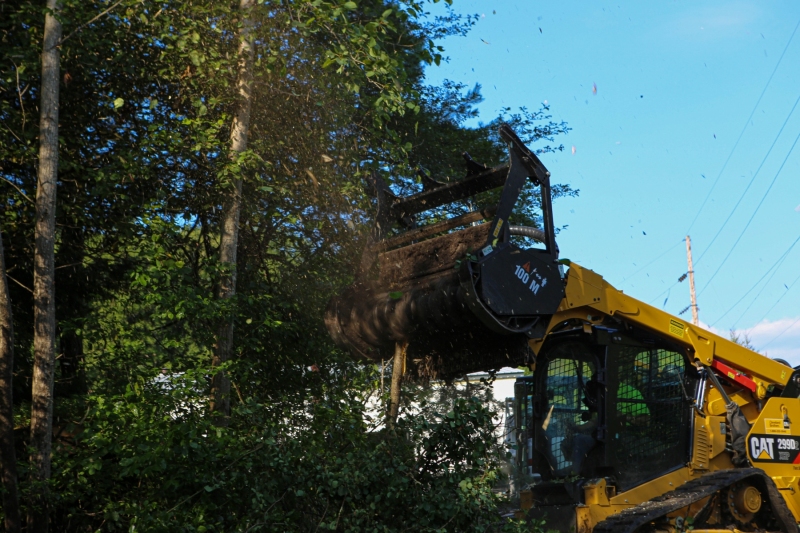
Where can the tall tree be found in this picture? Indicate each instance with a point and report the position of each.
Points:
(44, 320)
(229, 237)
(150, 98)
(8, 456)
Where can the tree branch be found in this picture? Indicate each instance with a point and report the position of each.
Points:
(19, 283)
(82, 26)
(17, 188)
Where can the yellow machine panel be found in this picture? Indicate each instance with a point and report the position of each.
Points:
(773, 443)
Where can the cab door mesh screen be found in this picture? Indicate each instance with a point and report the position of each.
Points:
(649, 434)
(565, 413)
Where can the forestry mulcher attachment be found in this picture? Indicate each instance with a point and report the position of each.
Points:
(632, 421)
(456, 291)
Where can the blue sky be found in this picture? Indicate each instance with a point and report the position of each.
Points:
(676, 83)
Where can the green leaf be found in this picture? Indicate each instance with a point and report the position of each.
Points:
(395, 295)
(350, 5)
(119, 102)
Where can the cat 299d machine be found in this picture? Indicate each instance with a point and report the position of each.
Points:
(632, 421)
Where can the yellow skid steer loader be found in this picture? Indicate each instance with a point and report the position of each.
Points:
(632, 419)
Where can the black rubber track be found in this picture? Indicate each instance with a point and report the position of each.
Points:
(630, 520)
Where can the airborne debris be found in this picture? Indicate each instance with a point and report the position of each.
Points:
(313, 177)
(412, 280)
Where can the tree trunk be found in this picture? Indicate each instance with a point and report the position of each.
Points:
(398, 369)
(8, 456)
(229, 238)
(44, 320)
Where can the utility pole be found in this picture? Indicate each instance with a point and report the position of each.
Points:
(691, 280)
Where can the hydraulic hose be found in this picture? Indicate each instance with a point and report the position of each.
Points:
(525, 231)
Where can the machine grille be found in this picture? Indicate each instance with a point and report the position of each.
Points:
(702, 445)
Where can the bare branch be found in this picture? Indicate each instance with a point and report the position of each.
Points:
(12, 133)
(19, 283)
(17, 188)
(82, 26)
(20, 93)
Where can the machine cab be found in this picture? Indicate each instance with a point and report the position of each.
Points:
(602, 405)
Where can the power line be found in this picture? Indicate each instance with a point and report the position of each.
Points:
(742, 132)
(663, 293)
(741, 233)
(779, 299)
(653, 261)
(781, 333)
(749, 184)
(762, 290)
(716, 180)
(780, 259)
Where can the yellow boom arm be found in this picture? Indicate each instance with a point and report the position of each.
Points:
(589, 297)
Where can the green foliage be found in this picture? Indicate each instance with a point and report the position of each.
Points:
(150, 458)
(437, 136)
(147, 98)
